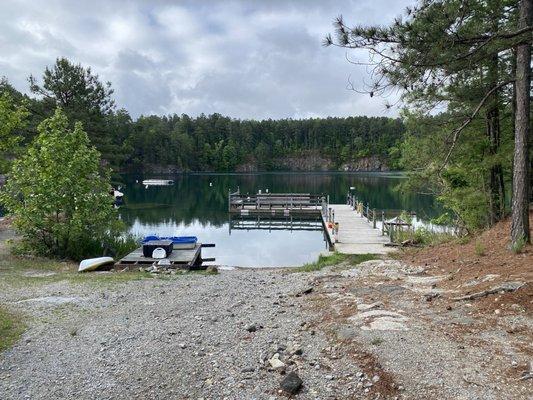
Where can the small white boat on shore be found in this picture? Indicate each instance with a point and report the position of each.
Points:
(94, 263)
(158, 182)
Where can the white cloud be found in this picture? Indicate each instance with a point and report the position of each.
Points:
(245, 59)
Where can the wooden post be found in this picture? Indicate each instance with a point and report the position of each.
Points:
(382, 222)
(229, 200)
(374, 218)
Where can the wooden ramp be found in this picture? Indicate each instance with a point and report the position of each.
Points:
(355, 234)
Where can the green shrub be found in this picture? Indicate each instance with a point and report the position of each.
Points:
(59, 197)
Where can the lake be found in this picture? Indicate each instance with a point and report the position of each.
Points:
(197, 205)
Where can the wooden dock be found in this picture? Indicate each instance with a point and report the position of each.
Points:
(187, 258)
(345, 227)
(276, 204)
(355, 235)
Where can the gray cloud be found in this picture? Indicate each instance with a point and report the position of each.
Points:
(245, 59)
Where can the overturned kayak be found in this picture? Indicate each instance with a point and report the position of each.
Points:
(94, 263)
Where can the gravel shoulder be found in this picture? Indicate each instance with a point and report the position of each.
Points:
(348, 332)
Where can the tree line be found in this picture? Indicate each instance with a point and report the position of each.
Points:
(203, 143)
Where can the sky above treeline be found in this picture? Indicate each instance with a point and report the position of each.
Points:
(245, 59)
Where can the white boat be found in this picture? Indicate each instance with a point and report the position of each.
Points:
(93, 263)
(158, 182)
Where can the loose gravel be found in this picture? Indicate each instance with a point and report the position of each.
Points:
(241, 333)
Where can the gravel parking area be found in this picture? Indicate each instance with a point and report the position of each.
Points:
(240, 334)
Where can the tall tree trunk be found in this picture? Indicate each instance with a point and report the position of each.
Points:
(521, 166)
(497, 188)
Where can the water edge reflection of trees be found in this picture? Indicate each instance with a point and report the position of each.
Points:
(203, 198)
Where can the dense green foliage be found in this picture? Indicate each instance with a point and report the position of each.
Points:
(204, 143)
(219, 143)
(454, 62)
(57, 194)
(12, 117)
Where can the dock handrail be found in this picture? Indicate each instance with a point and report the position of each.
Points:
(390, 227)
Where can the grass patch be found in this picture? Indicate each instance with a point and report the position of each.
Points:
(11, 327)
(518, 246)
(424, 237)
(376, 341)
(335, 259)
(24, 271)
(32, 271)
(480, 248)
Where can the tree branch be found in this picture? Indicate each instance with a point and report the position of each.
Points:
(469, 119)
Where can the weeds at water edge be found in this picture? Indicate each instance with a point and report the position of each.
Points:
(336, 259)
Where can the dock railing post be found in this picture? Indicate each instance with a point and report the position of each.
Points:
(374, 218)
(229, 200)
(382, 222)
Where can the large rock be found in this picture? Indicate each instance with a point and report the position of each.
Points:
(291, 384)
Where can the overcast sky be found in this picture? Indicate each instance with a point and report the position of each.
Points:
(244, 59)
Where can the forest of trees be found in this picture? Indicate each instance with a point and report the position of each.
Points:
(202, 143)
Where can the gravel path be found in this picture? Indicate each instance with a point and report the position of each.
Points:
(347, 334)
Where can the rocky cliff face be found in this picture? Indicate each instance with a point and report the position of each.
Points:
(307, 163)
(315, 162)
(372, 163)
(310, 162)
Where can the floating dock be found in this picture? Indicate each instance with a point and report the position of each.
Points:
(276, 204)
(184, 258)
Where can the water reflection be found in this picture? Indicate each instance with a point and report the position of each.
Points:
(197, 204)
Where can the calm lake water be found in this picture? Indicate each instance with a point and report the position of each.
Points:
(197, 205)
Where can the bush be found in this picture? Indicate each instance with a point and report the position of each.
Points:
(59, 197)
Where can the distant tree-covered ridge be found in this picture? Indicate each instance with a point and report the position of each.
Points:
(220, 143)
(176, 143)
